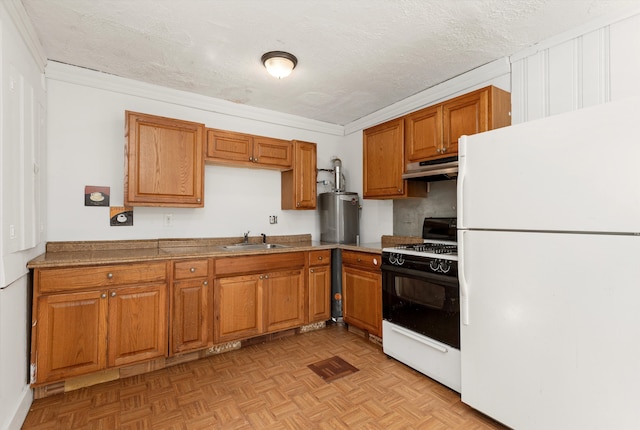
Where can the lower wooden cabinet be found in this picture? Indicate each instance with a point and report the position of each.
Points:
(80, 333)
(283, 300)
(238, 308)
(319, 286)
(362, 291)
(268, 300)
(191, 306)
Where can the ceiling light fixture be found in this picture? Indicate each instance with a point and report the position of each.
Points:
(279, 64)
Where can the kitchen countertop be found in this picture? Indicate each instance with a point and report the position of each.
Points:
(88, 253)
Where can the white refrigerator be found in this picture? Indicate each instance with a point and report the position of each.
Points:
(549, 268)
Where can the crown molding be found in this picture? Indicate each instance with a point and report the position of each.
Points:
(25, 28)
(459, 84)
(104, 81)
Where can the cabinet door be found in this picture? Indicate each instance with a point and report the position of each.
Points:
(191, 318)
(137, 324)
(229, 146)
(284, 299)
(238, 308)
(269, 152)
(464, 115)
(362, 299)
(383, 160)
(72, 335)
(423, 134)
(319, 293)
(299, 184)
(164, 163)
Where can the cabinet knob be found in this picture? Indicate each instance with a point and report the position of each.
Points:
(444, 150)
(192, 270)
(250, 158)
(399, 190)
(113, 294)
(311, 270)
(375, 261)
(103, 295)
(109, 275)
(359, 259)
(255, 160)
(266, 276)
(298, 204)
(320, 258)
(198, 199)
(438, 150)
(205, 283)
(261, 277)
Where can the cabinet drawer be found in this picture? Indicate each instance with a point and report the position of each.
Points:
(258, 263)
(361, 259)
(191, 269)
(320, 258)
(67, 279)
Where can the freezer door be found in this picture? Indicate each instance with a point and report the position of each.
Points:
(578, 171)
(550, 334)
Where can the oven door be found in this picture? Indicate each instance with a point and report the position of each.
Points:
(423, 302)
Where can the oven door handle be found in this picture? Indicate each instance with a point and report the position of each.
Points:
(419, 339)
(418, 274)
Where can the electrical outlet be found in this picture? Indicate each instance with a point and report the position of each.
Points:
(168, 220)
(273, 219)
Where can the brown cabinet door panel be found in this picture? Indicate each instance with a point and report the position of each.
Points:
(383, 160)
(238, 308)
(71, 335)
(319, 293)
(362, 299)
(164, 162)
(272, 152)
(229, 146)
(190, 319)
(284, 300)
(423, 134)
(137, 324)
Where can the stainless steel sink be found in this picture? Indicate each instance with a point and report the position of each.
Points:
(252, 246)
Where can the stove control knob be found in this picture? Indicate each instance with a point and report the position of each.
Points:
(445, 266)
(433, 265)
(400, 260)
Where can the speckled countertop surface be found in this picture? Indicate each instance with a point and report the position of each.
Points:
(111, 252)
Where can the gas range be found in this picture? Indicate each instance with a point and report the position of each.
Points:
(438, 253)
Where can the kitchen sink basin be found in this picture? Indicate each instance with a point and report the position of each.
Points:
(252, 246)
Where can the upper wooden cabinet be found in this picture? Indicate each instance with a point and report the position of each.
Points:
(299, 184)
(383, 160)
(433, 132)
(164, 163)
(239, 149)
(427, 134)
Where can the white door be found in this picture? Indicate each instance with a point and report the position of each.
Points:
(550, 334)
(577, 171)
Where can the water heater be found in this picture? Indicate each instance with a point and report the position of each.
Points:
(339, 217)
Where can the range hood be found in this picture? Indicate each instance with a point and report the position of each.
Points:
(433, 170)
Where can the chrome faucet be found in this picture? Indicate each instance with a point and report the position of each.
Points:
(264, 237)
(246, 236)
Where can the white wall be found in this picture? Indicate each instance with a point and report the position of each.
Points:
(594, 64)
(86, 147)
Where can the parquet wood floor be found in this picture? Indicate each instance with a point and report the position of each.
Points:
(267, 386)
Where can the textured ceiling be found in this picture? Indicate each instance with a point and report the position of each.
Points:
(354, 56)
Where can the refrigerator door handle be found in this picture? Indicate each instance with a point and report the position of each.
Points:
(462, 149)
(462, 279)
